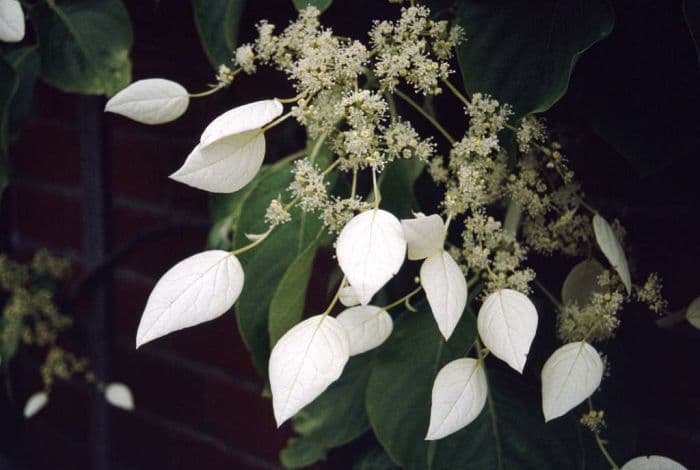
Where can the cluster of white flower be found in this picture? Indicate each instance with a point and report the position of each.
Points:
(414, 49)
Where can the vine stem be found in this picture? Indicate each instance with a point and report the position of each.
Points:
(208, 92)
(403, 299)
(293, 99)
(456, 92)
(601, 443)
(548, 294)
(375, 188)
(426, 115)
(253, 244)
(277, 121)
(335, 297)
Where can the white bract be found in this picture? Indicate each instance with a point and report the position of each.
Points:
(370, 250)
(507, 324)
(226, 165)
(304, 362)
(367, 326)
(11, 21)
(652, 462)
(425, 236)
(249, 117)
(35, 403)
(119, 395)
(569, 376)
(348, 297)
(611, 248)
(197, 289)
(446, 289)
(150, 101)
(459, 395)
(693, 313)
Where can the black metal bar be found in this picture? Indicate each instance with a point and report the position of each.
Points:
(94, 166)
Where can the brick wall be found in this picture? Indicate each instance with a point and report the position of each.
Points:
(198, 399)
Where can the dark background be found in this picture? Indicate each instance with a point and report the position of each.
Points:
(198, 399)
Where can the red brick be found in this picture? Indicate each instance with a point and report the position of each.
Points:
(53, 218)
(140, 441)
(47, 151)
(224, 408)
(153, 255)
(216, 343)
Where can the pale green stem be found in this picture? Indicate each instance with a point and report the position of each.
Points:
(335, 297)
(209, 92)
(276, 122)
(403, 299)
(601, 443)
(457, 93)
(426, 115)
(375, 187)
(548, 294)
(253, 244)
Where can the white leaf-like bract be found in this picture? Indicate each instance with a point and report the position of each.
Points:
(348, 297)
(119, 395)
(150, 101)
(304, 362)
(224, 166)
(507, 324)
(371, 249)
(35, 403)
(446, 289)
(11, 21)
(652, 462)
(693, 313)
(459, 394)
(612, 249)
(197, 289)
(425, 236)
(249, 117)
(367, 326)
(570, 375)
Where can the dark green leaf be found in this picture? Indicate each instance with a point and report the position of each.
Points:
(691, 12)
(27, 64)
(322, 5)
(287, 304)
(509, 433)
(523, 53)
(8, 88)
(396, 183)
(84, 45)
(400, 384)
(218, 24)
(335, 418)
(266, 266)
(374, 458)
(644, 105)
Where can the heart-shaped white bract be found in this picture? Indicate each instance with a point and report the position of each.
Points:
(425, 235)
(652, 462)
(304, 362)
(569, 376)
(35, 403)
(367, 326)
(348, 297)
(370, 250)
(197, 289)
(459, 395)
(150, 101)
(507, 324)
(612, 249)
(12, 27)
(225, 166)
(446, 289)
(119, 395)
(249, 117)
